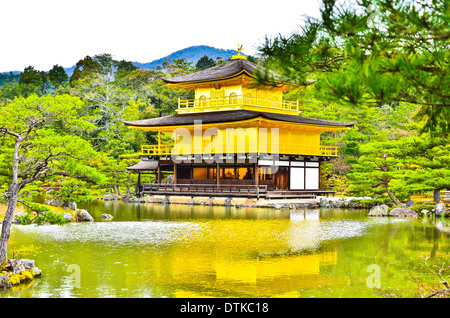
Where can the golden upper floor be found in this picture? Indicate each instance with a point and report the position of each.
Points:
(229, 86)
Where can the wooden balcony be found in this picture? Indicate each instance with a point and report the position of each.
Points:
(238, 102)
(291, 149)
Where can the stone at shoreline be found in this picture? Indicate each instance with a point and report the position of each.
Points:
(16, 265)
(67, 216)
(56, 202)
(5, 282)
(83, 216)
(110, 197)
(16, 271)
(440, 209)
(409, 203)
(379, 210)
(403, 212)
(106, 216)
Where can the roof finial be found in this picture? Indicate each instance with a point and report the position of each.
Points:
(239, 56)
(240, 47)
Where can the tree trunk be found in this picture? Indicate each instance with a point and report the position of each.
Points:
(13, 191)
(437, 196)
(396, 202)
(6, 225)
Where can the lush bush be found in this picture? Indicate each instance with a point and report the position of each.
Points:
(43, 217)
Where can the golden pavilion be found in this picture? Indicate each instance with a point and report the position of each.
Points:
(235, 139)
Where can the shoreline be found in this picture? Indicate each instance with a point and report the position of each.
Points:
(292, 203)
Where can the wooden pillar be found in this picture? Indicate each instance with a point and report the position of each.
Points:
(218, 174)
(174, 173)
(256, 174)
(138, 188)
(159, 173)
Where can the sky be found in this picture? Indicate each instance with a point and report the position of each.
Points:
(42, 33)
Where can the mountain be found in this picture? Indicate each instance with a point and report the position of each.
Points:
(191, 54)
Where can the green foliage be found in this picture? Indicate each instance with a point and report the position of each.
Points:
(57, 76)
(8, 77)
(394, 52)
(204, 62)
(25, 219)
(75, 190)
(50, 217)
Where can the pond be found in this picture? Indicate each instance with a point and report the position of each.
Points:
(181, 251)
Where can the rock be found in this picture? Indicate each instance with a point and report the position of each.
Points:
(83, 215)
(403, 213)
(323, 202)
(440, 209)
(56, 201)
(16, 265)
(71, 205)
(425, 211)
(110, 197)
(126, 198)
(166, 200)
(28, 263)
(67, 216)
(107, 216)
(133, 200)
(338, 204)
(5, 282)
(409, 203)
(379, 210)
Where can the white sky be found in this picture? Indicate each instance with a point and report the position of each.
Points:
(43, 33)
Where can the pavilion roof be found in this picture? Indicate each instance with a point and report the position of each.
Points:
(145, 165)
(230, 116)
(228, 69)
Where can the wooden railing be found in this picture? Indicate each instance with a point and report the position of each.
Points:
(205, 189)
(237, 100)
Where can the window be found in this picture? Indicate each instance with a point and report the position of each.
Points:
(248, 99)
(233, 99)
(274, 101)
(200, 173)
(265, 173)
(202, 101)
(227, 173)
(244, 173)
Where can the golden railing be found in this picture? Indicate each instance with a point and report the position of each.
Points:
(166, 150)
(157, 150)
(236, 101)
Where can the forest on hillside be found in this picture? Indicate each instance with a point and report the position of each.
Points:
(72, 137)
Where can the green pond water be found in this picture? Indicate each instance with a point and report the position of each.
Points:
(184, 251)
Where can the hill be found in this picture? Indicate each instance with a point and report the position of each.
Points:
(191, 54)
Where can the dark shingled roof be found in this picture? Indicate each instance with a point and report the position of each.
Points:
(229, 116)
(227, 69)
(145, 165)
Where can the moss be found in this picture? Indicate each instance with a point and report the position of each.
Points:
(26, 275)
(14, 279)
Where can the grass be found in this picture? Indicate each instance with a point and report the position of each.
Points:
(3, 208)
